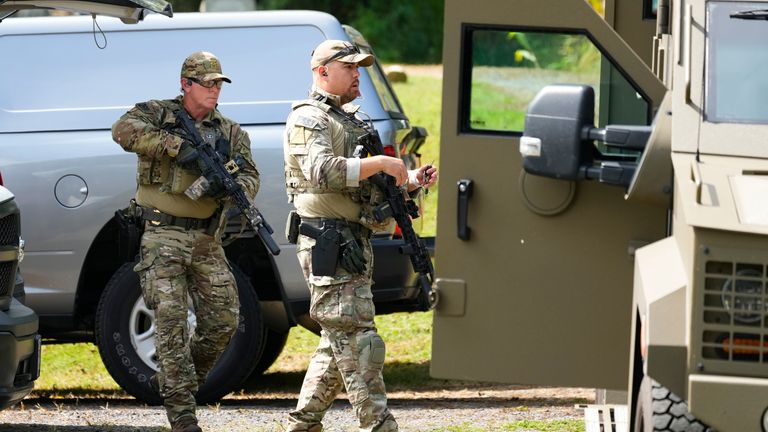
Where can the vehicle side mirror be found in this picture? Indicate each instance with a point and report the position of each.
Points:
(559, 139)
(551, 142)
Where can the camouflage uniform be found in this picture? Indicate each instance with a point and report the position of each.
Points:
(318, 145)
(178, 263)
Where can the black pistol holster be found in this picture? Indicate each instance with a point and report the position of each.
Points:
(130, 227)
(325, 252)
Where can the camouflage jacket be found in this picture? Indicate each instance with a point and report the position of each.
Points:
(150, 130)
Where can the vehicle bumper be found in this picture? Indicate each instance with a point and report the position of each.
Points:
(728, 403)
(395, 287)
(19, 353)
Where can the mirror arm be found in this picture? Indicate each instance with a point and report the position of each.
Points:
(615, 173)
(622, 136)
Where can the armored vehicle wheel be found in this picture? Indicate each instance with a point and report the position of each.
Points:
(658, 409)
(125, 335)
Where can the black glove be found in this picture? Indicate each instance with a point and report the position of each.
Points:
(187, 156)
(215, 188)
(352, 257)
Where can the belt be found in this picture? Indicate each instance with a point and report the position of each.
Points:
(358, 230)
(156, 217)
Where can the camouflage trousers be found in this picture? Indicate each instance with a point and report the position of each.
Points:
(350, 354)
(178, 265)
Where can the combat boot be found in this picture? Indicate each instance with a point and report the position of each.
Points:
(386, 424)
(186, 424)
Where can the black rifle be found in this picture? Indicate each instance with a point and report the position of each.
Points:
(216, 170)
(402, 210)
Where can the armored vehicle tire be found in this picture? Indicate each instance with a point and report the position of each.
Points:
(658, 409)
(274, 342)
(125, 338)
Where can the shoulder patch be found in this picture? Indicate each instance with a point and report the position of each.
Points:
(308, 122)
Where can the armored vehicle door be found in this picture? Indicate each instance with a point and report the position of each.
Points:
(534, 274)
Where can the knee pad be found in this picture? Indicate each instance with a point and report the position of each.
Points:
(374, 344)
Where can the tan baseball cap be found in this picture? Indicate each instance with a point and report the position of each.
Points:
(203, 66)
(338, 50)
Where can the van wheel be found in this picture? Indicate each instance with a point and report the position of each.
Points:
(274, 342)
(125, 336)
(658, 409)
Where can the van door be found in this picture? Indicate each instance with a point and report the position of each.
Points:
(534, 274)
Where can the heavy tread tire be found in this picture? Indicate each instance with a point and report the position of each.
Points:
(660, 410)
(132, 373)
(274, 342)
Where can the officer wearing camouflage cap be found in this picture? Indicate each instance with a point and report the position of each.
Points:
(181, 252)
(331, 192)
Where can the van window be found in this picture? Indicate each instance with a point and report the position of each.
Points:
(505, 69)
(387, 97)
(736, 63)
(69, 84)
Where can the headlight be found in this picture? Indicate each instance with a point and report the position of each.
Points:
(743, 296)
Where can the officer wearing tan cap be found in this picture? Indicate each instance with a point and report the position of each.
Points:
(331, 192)
(181, 252)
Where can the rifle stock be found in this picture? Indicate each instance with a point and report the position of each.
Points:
(213, 167)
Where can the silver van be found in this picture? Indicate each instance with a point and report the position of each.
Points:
(68, 83)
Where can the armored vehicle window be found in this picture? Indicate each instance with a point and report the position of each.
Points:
(504, 69)
(736, 87)
(650, 7)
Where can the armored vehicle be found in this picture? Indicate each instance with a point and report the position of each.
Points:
(602, 219)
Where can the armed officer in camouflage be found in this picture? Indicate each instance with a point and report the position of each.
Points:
(181, 252)
(334, 202)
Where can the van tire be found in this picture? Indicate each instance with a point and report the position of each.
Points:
(660, 410)
(274, 342)
(132, 373)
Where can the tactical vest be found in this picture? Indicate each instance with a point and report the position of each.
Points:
(295, 182)
(366, 194)
(163, 170)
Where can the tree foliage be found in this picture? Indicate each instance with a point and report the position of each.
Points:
(400, 32)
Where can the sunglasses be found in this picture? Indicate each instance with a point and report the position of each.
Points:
(208, 84)
(349, 50)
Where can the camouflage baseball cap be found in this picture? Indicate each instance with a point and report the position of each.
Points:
(203, 66)
(338, 50)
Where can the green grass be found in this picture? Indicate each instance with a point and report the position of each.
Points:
(546, 426)
(408, 337)
(493, 108)
(68, 370)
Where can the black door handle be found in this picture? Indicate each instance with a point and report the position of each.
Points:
(464, 187)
